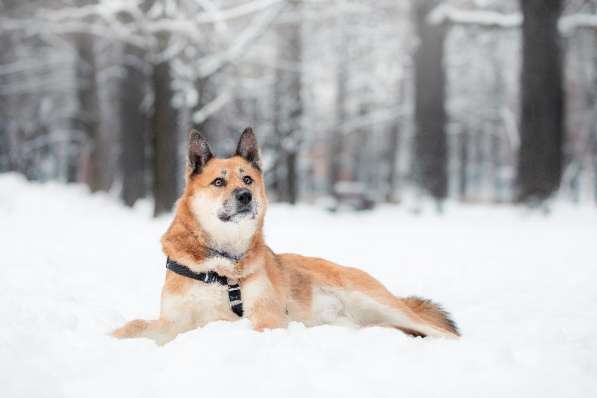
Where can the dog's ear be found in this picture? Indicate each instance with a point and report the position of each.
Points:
(247, 148)
(199, 152)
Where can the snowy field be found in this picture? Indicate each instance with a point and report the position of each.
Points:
(521, 286)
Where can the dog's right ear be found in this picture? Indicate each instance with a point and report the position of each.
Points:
(199, 152)
(248, 148)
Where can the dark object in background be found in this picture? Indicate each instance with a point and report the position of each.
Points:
(542, 105)
(165, 141)
(350, 195)
(431, 143)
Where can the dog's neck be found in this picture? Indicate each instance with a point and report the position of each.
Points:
(186, 241)
(229, 237)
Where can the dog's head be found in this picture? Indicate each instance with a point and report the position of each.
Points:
(226, 196)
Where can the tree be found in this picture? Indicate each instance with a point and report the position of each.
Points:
(288, 103)
(164, 128)
(134, 129)
(337, 142)
(430, 115)
(542, 113)
(95, 160)
(393, 144)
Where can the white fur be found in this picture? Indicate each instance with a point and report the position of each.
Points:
(219, 264)
(255, 289)
(201, 304)
(350, 308)
(328, 308)
(258, 287)
(231, 236)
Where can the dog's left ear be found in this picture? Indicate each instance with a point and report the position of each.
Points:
(199, 152)
(247, 148)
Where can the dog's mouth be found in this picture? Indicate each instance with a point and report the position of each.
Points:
(239, 213)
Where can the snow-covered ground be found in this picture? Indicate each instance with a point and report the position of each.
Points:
(521, 286)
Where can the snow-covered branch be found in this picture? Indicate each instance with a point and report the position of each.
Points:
(375, 117)
(124, 20)
(109, 12)
(26, 65)
(213, 63)
(448, 14)
(236, 12)
(573, 22)
(212, 107)
(43, 84)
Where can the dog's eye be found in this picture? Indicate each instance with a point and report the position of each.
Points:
(247, 180)
(218, 182)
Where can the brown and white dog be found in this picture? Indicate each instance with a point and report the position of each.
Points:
(221, 211)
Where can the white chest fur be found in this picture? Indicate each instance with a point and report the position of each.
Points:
(221, 265)
(198, 305)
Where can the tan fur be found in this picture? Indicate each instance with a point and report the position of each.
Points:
(275, 289)
(431, 312)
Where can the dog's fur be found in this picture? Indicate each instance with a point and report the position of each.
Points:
(276, 288)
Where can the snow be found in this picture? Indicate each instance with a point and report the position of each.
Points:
(520, 285)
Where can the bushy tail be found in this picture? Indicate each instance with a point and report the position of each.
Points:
(431, 313)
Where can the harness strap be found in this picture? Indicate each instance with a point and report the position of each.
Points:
(236, 303)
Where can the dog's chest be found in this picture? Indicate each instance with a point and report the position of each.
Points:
(210, 301)
(200, 304)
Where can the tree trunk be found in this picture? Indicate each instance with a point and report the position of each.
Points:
(291, 177)
(594, 159)
(391, 158)
(134, 133)
(480, 161)
(336, 147)
(275, 176)
(593, 112)
(393, 146)
(430, 113)
(4, 154)
(97, 161)
(166, 172)
(288, 103)
(358, 148)
(542, 113)
(595, 176)
(463, 163)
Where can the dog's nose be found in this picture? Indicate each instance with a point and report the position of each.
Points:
(243, 195)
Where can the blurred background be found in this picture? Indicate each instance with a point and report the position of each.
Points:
(355, 103)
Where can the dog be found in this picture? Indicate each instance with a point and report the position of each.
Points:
(219, 267)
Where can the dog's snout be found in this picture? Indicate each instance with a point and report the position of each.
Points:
(243, 195)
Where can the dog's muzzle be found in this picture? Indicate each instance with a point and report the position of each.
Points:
(242, 204)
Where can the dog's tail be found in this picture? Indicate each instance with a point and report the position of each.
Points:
(430, 312)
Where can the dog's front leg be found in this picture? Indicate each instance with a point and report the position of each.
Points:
(263, 307)
(175, 318)
(161, 331)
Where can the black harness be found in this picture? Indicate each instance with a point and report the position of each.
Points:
(236, 303)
